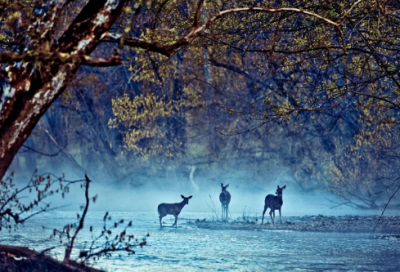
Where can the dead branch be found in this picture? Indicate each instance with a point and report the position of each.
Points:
(69, 248)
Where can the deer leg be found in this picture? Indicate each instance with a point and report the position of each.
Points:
(270, 214)
(225, 215)
(227, 208)
(176, 219)
(265, 208)
(225, 212)
(274, 216)
(280, 216)
(160, 221)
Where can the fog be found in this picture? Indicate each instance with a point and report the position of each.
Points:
(244, 200)
(247, 198)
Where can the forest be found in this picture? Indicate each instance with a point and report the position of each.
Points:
(147, 92)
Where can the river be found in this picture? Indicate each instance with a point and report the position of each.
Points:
(187, 248)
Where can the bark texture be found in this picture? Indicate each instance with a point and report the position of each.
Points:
(31, 86)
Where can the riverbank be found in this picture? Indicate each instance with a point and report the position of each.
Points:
(23, 259)
(348, 223)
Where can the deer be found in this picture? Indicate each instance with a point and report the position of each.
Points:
(173, 209)
(274, 203)
(224, 198)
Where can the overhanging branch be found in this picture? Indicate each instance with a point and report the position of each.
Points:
(9, 57)
(168, 49)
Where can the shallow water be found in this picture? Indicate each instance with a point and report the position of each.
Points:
(188, 248)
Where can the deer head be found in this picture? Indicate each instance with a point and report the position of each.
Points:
(279, 190)
(224, 187)
(186, 199)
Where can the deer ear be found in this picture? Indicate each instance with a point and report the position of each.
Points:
(278, 186)
(222, 185)
(189, 197)
(182, 196)
(284, 187)
(227, 185)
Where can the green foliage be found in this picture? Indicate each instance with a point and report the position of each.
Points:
(141, 117)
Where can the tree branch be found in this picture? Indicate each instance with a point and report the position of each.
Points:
(69, 248)
(69, 156)
(387, 204)
(378, 98)
(168, 49)
(347, 12)
(42, 153)
(378, 59)
(101, 62)
(197, 16)
(8, 57)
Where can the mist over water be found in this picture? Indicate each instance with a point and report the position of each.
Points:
(247, 198)
(146, 198)
(145, 187)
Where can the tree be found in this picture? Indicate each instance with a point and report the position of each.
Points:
(44, 44)
(40, 69)
(357, 85)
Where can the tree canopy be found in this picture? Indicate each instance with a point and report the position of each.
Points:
(306, 63)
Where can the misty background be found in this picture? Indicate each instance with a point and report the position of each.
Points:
(194, 147)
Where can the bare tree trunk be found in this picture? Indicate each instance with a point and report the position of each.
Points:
(99, 135)
(32, 86)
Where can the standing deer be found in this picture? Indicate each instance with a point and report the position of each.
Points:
(225, 198)
(274, 203)
(174, 209)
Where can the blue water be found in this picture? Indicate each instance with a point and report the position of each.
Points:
(187, 248)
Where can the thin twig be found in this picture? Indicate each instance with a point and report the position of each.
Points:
(42, 153)
(213, 209)
(387, 204)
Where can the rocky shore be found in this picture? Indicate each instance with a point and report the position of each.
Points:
(348, 223)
